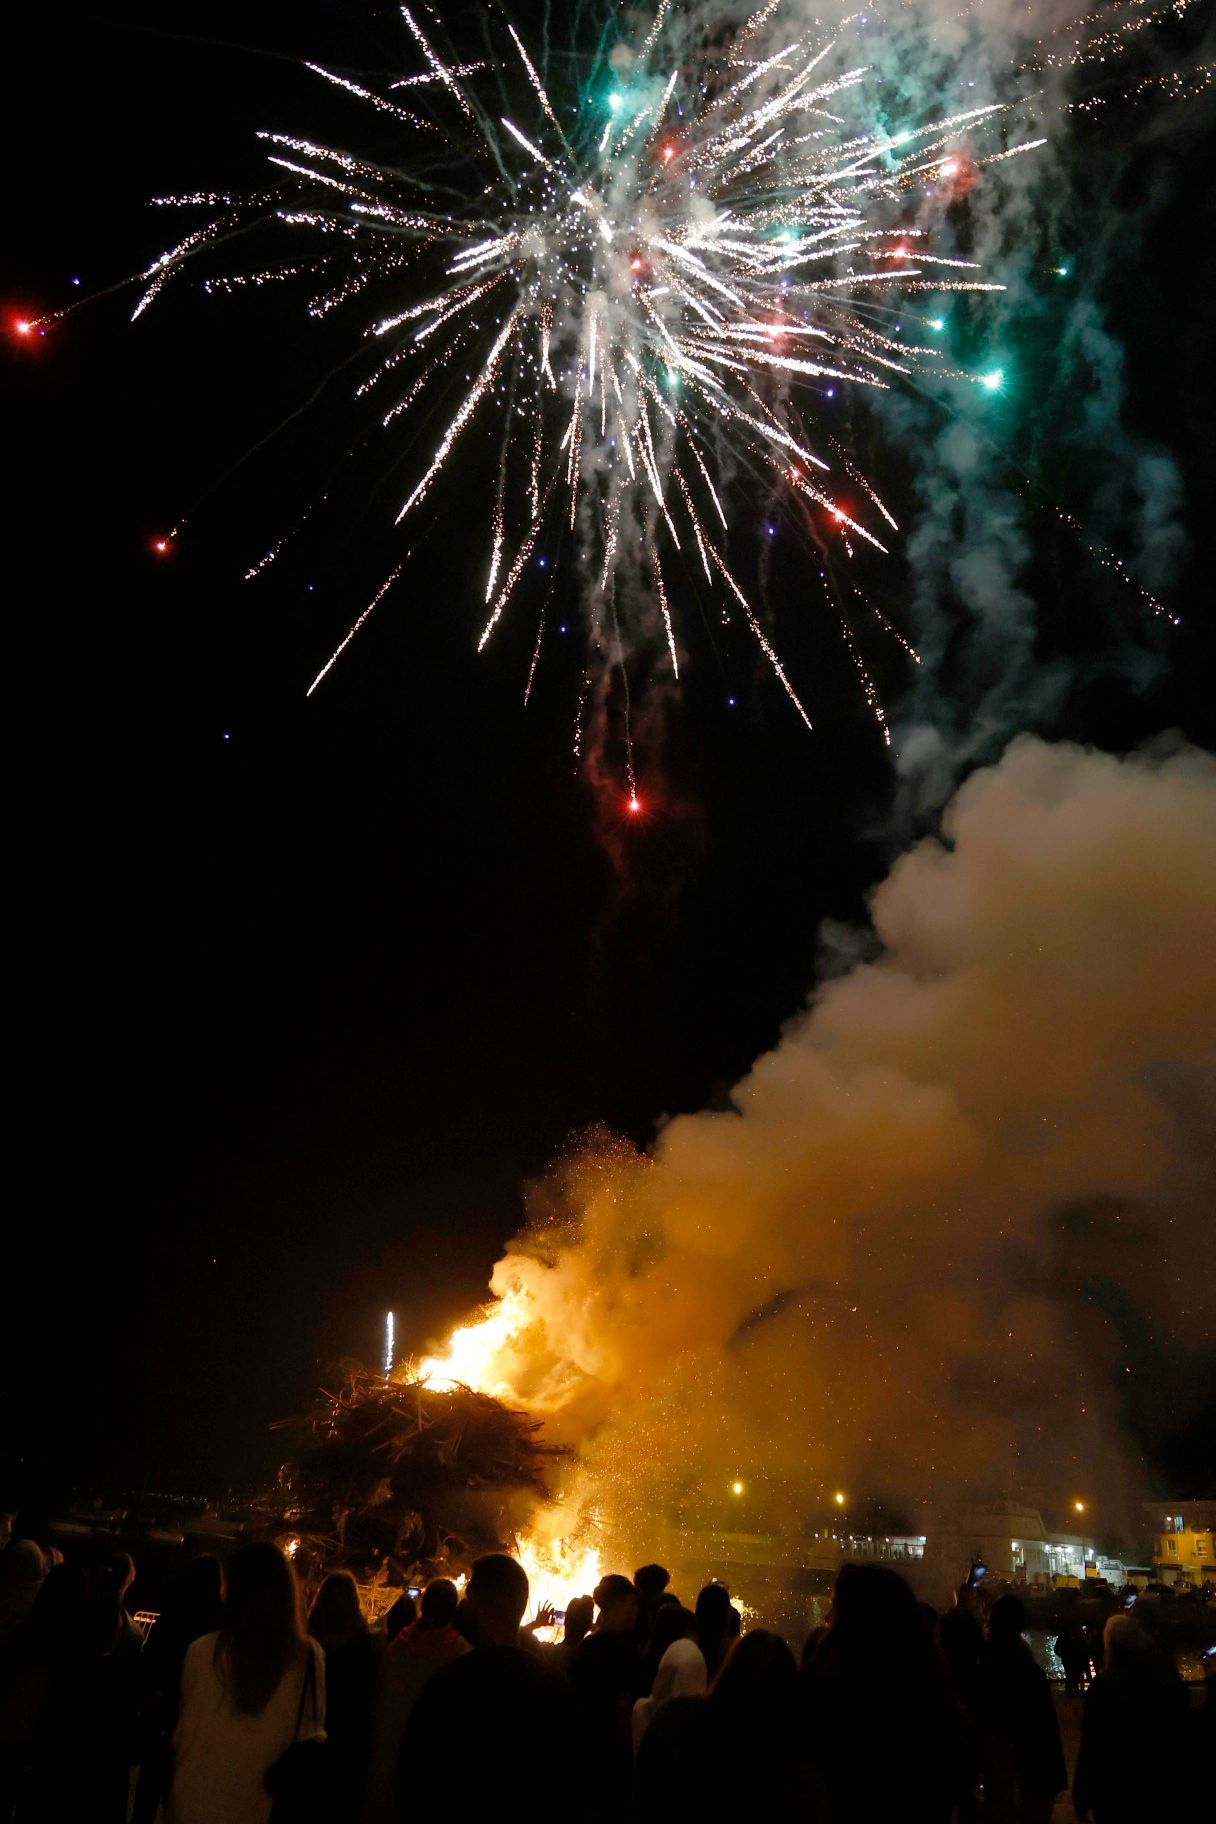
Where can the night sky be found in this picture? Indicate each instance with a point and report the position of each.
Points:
(307, 990)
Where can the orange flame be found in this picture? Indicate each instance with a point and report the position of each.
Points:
(559, 1560)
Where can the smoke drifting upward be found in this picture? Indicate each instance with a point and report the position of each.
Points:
(914, 1255)
(1059, 231)
(989, 470)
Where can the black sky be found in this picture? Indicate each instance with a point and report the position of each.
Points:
(306, 990)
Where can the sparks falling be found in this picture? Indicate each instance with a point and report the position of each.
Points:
(649, 286)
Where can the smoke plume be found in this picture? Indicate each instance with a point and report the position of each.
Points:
(991, 470)
(914, 1253)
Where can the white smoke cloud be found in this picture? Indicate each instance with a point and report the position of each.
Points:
(899, 1264)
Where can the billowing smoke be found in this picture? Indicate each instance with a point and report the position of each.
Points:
(912, 1257)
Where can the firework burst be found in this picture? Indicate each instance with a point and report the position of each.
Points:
(651, 276)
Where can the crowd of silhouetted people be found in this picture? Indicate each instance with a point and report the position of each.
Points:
(238, 1709)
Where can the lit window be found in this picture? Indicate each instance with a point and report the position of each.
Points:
(1172, 1544)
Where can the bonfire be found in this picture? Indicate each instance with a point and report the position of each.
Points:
(398, 1481)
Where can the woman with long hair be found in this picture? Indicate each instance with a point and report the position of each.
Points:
(249, 1693)
(352, 1654)
(885, 1734)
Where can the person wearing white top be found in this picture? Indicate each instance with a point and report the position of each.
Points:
(681, 1673)
(246, 1696)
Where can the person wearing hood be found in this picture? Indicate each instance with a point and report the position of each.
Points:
(681, 1670)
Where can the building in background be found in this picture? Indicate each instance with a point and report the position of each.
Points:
(1015, 1544)
(1184, 1540)
(776, 1572)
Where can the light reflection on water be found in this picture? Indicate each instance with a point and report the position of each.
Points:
(1042, 1644)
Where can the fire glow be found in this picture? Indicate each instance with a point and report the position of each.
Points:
(490, 1355)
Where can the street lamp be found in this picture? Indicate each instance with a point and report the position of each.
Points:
(736, 1488)
(1078, 1507)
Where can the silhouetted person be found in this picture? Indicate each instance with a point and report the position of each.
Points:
(1131, 1767)
(812, 1644)
(717, 1625)
(117, 1579)
(1072, 1650)
(33, 1656)
(84, 1736)
(338, 1624)
(580, 1614)
(886, 1737)
(735, 1754)
(650, 1581)
(1199, 1753)
(1095, 1644)
(195, 1610)
(1020, 1749)
(22, 1569)
(403, 1614)
(960, 1639)
(485, 1725)
(249, 1692)
(604, 1673)
(413, 1658)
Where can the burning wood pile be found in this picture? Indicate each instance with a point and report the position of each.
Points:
(397, 1481)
